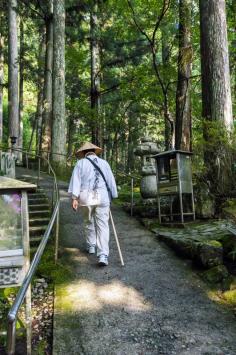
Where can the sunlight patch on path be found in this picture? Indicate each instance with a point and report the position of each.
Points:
(88, 296)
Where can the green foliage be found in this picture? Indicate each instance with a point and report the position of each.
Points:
(132, 100)
(58, 272)
(124, 194)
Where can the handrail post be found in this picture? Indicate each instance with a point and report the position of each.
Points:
(11, 337)
(53, 194)
(57, 236)
(49, 169)
(27, 160)
(132, 196)
(39, 167)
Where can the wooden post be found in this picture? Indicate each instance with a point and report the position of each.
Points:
(57, 237)
(132, 196)
(26, 248)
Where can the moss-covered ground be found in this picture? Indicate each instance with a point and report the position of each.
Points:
(54, 273)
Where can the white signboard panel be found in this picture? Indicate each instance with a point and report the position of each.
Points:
(8, 164)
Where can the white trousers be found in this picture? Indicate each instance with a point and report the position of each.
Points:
(96, 227)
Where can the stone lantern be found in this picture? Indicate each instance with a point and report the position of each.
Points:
(14, 231)
(148, 187)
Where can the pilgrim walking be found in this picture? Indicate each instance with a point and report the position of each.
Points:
(92, 187)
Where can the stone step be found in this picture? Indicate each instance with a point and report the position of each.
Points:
(35, 240)
(38, 221)
(39, 213)
(37, 201)
(39, 207)
(38, 194)
(37, 230)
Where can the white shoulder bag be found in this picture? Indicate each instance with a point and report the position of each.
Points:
(89, 198)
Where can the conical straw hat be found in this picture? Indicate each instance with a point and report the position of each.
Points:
(86, 146)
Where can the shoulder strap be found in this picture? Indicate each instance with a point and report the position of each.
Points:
(100, 171)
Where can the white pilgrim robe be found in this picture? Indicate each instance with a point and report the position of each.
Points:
(86, 177)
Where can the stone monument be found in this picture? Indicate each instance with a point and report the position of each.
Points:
(148, 187)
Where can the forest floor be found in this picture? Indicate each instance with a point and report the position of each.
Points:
(156, 304)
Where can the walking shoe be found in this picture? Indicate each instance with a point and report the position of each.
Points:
(103, 260)
(91, 249)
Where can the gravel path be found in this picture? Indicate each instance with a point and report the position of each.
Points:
(153, 305)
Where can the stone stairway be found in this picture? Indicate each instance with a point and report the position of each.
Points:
(39, 216)
(39, 213)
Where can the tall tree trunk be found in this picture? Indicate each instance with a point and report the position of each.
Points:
(169, 124)
(183, 99)
(1, 84)
(47, 95)
(59, 120)
(216, 97)
(13, 99)
(71, 132)
(39, 113)
(95, 73)
(166, 50)
(21, 90)
(216, 91)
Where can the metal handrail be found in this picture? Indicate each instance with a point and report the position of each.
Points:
(12, 315)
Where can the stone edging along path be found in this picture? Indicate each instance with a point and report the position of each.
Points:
(209, 245)
(154, 305)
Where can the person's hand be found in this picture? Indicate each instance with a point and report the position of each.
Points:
(75, 204)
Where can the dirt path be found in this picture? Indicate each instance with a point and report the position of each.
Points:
(154, 305)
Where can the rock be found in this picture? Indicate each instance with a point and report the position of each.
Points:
(204, 203)
(216, 274)
(207, 253)
(210, 253)
(40, 280)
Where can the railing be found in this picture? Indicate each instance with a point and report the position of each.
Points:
(12, 315)
(132, 179)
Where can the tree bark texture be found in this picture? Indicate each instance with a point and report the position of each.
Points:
(216, 91)
(166, 51)
(183, 99)
(71, 132)
(47, 95)
(21, 90)
(1, 84)
(13, 98)
(59, 120)
(95, 74)
(39, 113)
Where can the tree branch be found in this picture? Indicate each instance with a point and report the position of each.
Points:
(114, 87)
(137, 24)
(183, 79)
(26, 3)
(165, 8)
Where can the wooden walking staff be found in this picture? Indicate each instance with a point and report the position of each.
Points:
(117, 240)
(110, 195)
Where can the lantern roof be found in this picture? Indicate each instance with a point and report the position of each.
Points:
(171, 153)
